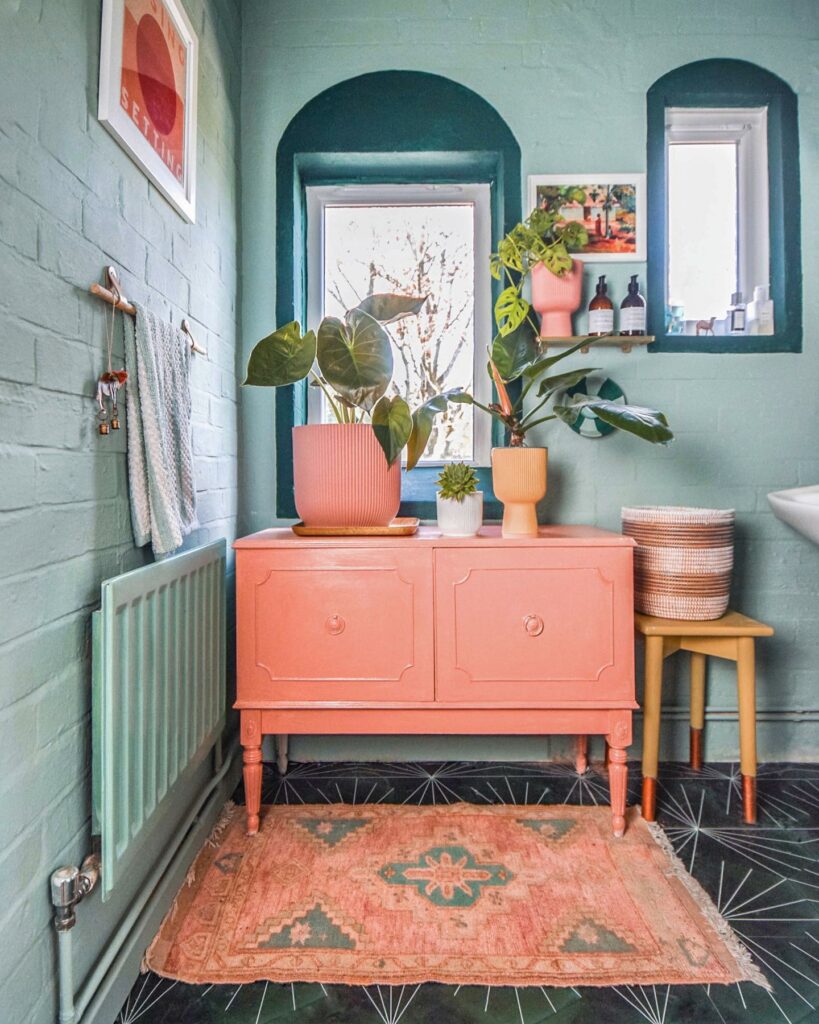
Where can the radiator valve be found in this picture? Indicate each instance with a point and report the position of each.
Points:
(70, 885)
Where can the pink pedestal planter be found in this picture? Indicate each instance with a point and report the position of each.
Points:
(341, 477)
(556, 298)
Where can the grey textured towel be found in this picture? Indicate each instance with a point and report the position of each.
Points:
(160, 453)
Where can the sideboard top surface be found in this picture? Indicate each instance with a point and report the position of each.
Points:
(430, 536)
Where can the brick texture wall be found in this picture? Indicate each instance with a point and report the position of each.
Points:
(71, 201)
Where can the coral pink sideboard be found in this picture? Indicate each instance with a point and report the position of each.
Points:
(430, 634)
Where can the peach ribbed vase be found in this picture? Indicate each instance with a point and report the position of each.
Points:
(341, 478)
(556, 298)
(519, 481)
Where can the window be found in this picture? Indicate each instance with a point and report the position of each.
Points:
(723, 205)
(387, 129)
(429, 240)
(717, 164)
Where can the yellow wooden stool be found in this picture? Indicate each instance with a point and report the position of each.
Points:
(730, 637)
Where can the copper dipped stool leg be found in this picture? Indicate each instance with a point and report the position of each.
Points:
(749, 799)
(649, 799)
(695, 749)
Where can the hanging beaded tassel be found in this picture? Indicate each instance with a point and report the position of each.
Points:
(110, 381)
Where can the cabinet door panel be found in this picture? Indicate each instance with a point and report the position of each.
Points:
(534, 625)
(333, 625)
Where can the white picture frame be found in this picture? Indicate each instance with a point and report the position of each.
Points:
(619, 235)
(149, 56)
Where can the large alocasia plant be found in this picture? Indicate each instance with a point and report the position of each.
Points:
(351, 360)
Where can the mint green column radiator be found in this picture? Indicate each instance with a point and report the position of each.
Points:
(158, 695)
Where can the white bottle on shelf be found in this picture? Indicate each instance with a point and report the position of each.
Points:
(760, 312)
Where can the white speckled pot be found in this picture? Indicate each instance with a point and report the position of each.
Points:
(460, 518)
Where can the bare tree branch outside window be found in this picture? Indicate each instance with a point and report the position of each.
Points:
(413, 250)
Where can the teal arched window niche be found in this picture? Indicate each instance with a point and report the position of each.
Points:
(388, 127)
(725, 83)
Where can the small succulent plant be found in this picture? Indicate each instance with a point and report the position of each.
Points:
(457, 480)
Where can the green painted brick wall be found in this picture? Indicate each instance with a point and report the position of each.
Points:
(71, 201)
(571, 79)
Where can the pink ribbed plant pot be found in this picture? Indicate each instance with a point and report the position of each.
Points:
(341, 477)
(556, 298)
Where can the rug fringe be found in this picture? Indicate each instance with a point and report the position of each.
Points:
(709, 910)
(225, 817)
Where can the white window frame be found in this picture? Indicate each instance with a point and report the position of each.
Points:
(478, 195)
(747, 127)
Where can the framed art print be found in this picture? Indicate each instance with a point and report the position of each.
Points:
(612, 211)
(147, 92)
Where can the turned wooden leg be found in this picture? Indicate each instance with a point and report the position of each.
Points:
(746, 687)
(652, 707)
(252, 757)
(697, 710)
(250, 733)
(581, 754)
(281, 753)
(618, 783)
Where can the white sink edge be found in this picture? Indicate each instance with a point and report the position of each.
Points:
(804, 495)
(798, 507)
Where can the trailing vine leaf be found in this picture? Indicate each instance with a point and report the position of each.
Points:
(283, 357)
(510, 310)
(392, 425)
(648, 424)
(512, 353)
(355, 357)
(557, 259)
(386, 309)
(422, 422)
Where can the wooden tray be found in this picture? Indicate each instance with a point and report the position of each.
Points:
(401, 526)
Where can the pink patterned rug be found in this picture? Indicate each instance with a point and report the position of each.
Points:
(461, 893)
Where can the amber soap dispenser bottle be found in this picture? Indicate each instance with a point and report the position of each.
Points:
(601, 310)
(633, 311)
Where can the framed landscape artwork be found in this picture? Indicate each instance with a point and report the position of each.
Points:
(147, 92)
(612, 211)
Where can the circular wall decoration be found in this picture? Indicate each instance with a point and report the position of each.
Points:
(588, 424)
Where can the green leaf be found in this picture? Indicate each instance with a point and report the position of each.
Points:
(392, 424)
(283, 357)
(564, 380)
(386, 309)
(542, 365)
(510, 310)
(513, 352)
(355, 357)
(557, 259)
(422, 421)
(648, 424)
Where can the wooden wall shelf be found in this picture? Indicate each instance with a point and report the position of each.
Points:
(626, 344)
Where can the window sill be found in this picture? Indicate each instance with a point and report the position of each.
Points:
(783, 341)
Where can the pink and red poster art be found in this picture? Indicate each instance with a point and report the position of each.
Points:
(147, 101)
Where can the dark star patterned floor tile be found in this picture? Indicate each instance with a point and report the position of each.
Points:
(764, 879)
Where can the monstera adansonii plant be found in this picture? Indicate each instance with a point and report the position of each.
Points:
(351, 360)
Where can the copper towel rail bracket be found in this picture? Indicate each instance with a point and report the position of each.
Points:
(115, 297)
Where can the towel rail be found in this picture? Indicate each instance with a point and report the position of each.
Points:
(114, 296)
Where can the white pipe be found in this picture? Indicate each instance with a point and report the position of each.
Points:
(74, 1005)
(66, 969)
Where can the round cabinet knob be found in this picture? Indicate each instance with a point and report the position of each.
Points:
(533, 624)
(335, 625)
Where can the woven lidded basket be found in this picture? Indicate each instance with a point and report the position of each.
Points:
(683, 560)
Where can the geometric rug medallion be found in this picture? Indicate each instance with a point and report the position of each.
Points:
(460, 893)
